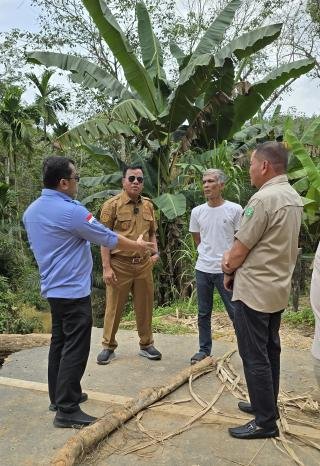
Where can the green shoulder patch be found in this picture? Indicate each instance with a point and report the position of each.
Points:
(248, 212)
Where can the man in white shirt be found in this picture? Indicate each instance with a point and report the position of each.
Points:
(213, 225)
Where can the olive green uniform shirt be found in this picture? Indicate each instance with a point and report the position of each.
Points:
(270, 229)
(128, 218)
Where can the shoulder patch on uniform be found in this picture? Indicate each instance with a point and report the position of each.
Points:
(248, 211)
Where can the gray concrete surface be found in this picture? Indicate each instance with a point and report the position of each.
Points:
(27, 436)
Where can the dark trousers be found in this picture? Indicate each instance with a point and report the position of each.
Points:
(69, 350)
(206, 283)
(259, 348)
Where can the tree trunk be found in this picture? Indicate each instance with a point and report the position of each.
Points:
(11, 343)
(86, 439)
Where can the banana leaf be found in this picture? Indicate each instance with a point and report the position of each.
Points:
(92, 181)
(215, 32)
(172, 205)
(100, 195)
(150, 47)
(83, 72)
(193, 80)
(179, 55)
(311, 135)
(102, 155)
(302, 185)
(249, 43)
(131, 111)
(135, 73)
(97, 127)
(307, 163)
(246, 106)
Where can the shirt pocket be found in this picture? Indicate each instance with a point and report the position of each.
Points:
(147, 218)
(123, 222)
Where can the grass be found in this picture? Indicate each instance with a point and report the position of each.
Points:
(181, 308)
(302, 317)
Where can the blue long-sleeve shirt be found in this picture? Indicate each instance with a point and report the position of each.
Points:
(59, 231)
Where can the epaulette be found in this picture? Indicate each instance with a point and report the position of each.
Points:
(113, 199)
(145, 198)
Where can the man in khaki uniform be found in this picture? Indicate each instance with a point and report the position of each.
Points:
(125, 272)
(259, 267)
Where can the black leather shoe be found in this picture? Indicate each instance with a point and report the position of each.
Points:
(252, 431)
(83, 398)
(247, 408)
(76, 419)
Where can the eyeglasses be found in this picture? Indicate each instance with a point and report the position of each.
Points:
(132, 178)
(76, 178)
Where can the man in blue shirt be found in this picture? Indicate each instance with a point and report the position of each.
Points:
(59, 231)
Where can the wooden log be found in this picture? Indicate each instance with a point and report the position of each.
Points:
(87, 438)
(11, 343)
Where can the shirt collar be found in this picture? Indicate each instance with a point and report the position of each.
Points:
(55, 193)
(127, 200)
(275, 180)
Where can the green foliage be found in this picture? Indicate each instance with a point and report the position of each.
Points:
(11, 319)
(299, 318)
(11, 260)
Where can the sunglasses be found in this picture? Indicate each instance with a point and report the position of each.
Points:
(76, 178)
(132, 178)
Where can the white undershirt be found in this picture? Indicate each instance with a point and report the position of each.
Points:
(217, 226)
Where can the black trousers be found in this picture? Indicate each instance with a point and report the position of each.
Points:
(259, 348)
(69, 350)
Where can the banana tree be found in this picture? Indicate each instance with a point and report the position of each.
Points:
(149, 108)
(200, 110)
(304, 170)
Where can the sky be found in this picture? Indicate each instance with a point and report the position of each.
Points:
(304, 98)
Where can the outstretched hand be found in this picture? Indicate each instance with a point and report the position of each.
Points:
(144, 246)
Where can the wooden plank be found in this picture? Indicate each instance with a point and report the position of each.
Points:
(43, 387)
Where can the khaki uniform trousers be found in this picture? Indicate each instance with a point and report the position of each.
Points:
(137, 279)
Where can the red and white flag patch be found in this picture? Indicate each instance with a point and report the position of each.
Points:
(90, 218)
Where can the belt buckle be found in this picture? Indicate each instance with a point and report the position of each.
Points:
(136, 260)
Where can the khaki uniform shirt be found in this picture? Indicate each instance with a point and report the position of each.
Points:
(118, 214)
(270, 229)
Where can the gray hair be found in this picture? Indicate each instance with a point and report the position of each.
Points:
(222, 177)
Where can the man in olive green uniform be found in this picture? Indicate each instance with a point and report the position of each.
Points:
(259, 267)
(125, 272)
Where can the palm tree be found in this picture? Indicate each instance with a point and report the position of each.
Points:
(16, 122)
(49, 100)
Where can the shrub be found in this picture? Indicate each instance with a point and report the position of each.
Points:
(13, 320)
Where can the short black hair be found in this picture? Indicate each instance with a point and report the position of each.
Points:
(131, 167)
(276, 153)
(54, 169)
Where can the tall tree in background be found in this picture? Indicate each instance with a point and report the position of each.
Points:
(16, 122)
(49, 100)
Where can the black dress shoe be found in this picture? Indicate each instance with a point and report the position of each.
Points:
(252, 431)
(83, 398)
(247, 408)
(75, 419)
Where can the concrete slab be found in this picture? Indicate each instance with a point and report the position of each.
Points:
(27, 436)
